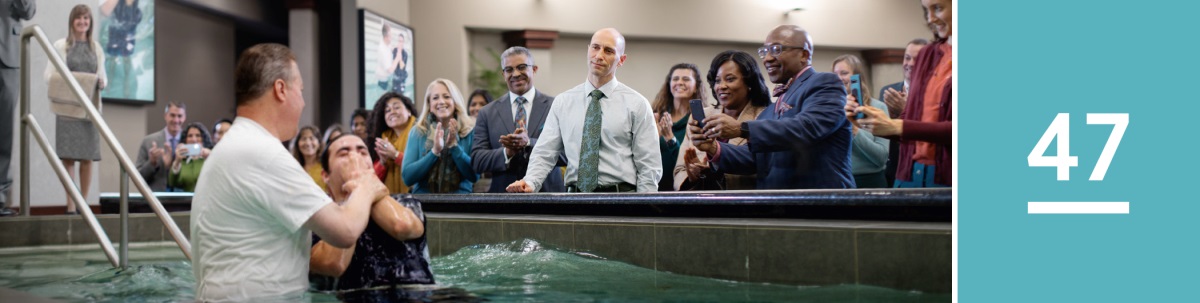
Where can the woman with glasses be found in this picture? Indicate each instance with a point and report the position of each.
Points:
(672, 109)
(439, 161)
(868, 153)
(924, 128)
(740, 92)
(391, 122)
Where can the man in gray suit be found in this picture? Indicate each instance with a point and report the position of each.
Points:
(12, 12)
(154, 156)
(507, 129)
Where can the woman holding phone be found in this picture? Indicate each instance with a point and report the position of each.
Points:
(868, 153)
(672, 110)
(740, 92)
(189, 157)
(925, 128)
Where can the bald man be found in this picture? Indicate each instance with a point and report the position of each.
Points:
(801, 141)
(606, 129)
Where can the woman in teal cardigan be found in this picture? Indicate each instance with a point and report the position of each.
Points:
(436, 157)
(185, 170)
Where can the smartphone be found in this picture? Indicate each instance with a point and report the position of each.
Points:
(698, 111)
(193, 150)
(856, 89)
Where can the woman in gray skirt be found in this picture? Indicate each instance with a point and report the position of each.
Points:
(76, 139)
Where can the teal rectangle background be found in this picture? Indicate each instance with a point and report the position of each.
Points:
(1021, 63)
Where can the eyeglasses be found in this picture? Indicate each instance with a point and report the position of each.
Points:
(776, 49)
(509, 69)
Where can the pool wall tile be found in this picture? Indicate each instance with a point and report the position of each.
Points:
(718, 252)
(457, 234)
(801, 257)
(633, 244)
(905, 261)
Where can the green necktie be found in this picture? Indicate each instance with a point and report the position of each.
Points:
(589, 154)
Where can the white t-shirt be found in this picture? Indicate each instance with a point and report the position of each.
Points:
(247, 215)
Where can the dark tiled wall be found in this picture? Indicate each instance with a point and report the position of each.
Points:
(906, 256)
(59, 230)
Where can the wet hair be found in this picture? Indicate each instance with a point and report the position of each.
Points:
(294, 146)
(376, 122)
(756, 89)
(259, 67)
(205, 140)
(665, 101)
(857, 67)
(325, 151)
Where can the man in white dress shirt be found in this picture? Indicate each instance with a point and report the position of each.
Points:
(606, 129)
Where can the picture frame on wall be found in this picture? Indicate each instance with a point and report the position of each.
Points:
(125, 30)
(386, 57)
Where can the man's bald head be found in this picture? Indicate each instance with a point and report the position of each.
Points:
(611, 34)
(793, 35)
(795, 52)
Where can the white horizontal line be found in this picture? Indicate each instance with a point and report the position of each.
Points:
(1078, 207)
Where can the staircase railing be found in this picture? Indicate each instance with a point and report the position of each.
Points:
(29, 125)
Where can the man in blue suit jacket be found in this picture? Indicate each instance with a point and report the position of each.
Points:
(502, 144)
(803, 140)
(11, 14)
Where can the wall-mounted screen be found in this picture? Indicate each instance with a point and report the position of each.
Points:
(386, 47)
(125, 29)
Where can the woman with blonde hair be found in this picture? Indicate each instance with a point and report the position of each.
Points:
(76, 139)
(437, 157)
(868, 153)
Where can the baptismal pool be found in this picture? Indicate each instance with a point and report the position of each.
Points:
(524, 271)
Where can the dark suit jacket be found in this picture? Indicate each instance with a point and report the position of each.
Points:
(155, 175)
(808, 146)
(11, 14)
(487, 154)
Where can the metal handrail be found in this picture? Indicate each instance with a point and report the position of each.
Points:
(106, 133)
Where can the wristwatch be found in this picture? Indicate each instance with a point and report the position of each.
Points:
(673, 141)
(745, 130)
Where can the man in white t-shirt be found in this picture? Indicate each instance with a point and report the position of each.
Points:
(254, 205)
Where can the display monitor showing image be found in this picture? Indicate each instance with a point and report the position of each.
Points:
(126, 32)
(387, 57)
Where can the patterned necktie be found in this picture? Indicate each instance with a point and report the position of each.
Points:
(520, 120)
(589, 154)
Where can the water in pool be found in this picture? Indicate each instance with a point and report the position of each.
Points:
(524, 271)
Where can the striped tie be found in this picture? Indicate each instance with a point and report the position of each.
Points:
(589, 154)
(520, 120)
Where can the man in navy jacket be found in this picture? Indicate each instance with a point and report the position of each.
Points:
(803, 140)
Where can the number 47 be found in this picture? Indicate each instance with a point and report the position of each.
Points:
(1061, 128)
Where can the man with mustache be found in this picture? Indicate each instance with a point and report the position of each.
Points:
(803, 141)
(606, 129)
(506, 130)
